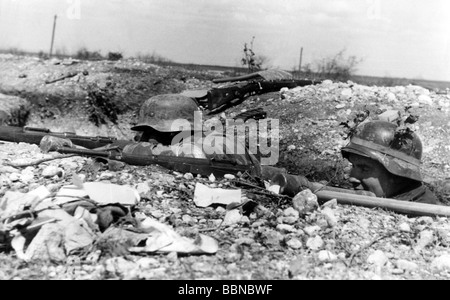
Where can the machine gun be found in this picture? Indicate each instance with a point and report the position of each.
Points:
(34, 136)
(220, 97)
(239, 88)
(205, 167)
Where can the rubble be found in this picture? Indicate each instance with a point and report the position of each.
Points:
(157, 224)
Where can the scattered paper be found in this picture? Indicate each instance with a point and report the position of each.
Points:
(205, 196)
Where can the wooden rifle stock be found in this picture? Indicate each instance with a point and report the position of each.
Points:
(404, 207)
(32, 135)
(200, 166)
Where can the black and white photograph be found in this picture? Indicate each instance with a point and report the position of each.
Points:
(224, 146)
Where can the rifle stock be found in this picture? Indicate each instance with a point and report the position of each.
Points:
(404, 207)
(34, 136)
(221, 96)
(200, 166)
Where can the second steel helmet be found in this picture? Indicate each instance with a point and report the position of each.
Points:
(161, 111)
(400, 154)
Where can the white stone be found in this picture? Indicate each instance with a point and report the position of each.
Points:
(232, 217)
(286, 228)
(314, 243)
(404, 227)
(311, 230)
(406, 265)
(188, 176)
(441, 262)
(378, 258)
(290, 212)
(51, 171)
(294, 243)
(328, 213)
(229, 176)
(326, 256)
(425, 99)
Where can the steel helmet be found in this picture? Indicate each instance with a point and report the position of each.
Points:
(400, 154)
(160, 112)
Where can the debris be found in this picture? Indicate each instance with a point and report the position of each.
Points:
(163, 239)
(101, 193)
(205, 196)
(47, 245)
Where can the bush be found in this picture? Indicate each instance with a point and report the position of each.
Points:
(115, 56)
(337, 67)
(85, 54)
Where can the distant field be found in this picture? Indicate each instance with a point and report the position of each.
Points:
(235, 71)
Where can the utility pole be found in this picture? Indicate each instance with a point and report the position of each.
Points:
(300, 63)
(53, 36)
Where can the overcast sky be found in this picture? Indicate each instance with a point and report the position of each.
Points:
(400, 38)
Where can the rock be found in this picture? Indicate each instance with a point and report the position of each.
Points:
(48, 244)
(291, 147)
(311, 230)
(441, 262)
(291, 212)
(389, 116)
(346, 93)
(294, 243)
(314, 243)
(378, 259)
(212, 178)
(285, 228)
(406, 265)
(425, 220)
(331, 204)
(143, 188)
(425, 99)
(229, 176)
(326, 256)
(232, 217)
(426, 237)
(331, 219)
(51, 171)
(391, 97)
(188, 176)
(305, 202)
(14, 177)
(404, 227)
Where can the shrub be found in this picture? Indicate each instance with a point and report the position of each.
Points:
(115, 56)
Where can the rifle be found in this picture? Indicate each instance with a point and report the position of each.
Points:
(220, 97)
(201, 166)
(405, 207)
(34, 136)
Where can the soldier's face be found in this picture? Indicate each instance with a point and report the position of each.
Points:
(370, 175)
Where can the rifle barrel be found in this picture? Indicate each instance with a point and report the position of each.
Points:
(404, 207)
